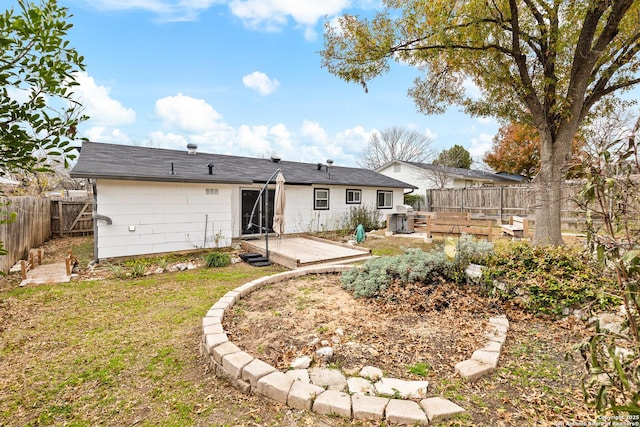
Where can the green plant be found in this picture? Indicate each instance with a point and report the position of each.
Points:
(414, 265)
(420, 369)
(547, 280)
(414, 200)
(368, 216)
(610, 198)
(217, 259)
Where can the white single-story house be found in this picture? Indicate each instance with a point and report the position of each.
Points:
(151, 200)
(425, 176)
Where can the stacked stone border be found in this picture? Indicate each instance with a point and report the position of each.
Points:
(251, 375)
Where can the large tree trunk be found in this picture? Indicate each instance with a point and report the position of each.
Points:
(548, 184)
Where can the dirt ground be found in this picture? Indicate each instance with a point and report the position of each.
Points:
(438, 326)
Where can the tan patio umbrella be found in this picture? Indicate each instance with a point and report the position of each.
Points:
(279, 201)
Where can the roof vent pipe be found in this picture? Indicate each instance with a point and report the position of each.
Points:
(172, 171)
(329, 162)
(275, 159)
(192, 148)
(210, 166)
(319, 166)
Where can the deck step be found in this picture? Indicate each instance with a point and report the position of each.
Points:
(261, 263)
(249, 256)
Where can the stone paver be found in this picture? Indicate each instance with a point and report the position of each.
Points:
(256, 370)
(293, 388)
(361, 386)
(275, 386)
(487, 357)
(234, 362)
(405, 412)
(300, 375)
(333, 402)
(368, 407)
(223, 349)
(302, 395)
(472, 369)
(403, 388)
(438, 408)
(211, 341)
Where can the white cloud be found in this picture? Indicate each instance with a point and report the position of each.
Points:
(271, 15)
(98, 104)
(481, 145)
(314, 131)
(166, 10)
(184, 113)
(103, 134)
(260, 82)
(260, 140)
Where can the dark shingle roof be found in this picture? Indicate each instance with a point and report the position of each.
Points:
(467, 173)
(112, 161)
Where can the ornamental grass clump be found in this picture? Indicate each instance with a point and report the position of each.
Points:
(217, 259)
(413, 266)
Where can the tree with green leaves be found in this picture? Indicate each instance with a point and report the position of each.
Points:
(544, 63)
(38, 112)
(454, 157)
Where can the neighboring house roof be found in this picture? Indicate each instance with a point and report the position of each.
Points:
(468, 174)
(126, 162)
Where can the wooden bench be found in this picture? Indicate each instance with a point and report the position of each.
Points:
(422, 217)
(518, 227)
(457, 226)
(33, 260)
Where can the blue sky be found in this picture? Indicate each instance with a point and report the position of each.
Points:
(240, 77)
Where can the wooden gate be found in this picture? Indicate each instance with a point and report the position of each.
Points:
(71, 218)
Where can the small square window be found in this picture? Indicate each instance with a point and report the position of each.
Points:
(321, 199)
(385, 199)
(354, 197)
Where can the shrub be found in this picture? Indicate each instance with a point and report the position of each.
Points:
(548, 279)
(217, 259)
(368, 216)
(414, 200)
(413, 266)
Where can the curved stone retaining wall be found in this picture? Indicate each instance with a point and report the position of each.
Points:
(252, 375)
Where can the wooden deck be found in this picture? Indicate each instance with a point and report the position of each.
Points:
(302, 251)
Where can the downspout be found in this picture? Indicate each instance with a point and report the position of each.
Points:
(96, 217)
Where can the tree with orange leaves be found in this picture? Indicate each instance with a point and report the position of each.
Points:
(516, 150)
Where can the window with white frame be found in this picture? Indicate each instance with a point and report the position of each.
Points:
(385, 199)
(321, 199)
(354, 197)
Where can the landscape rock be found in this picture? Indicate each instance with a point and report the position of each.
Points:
(301, 362)
(302, 395)
(368, 407)
(300, 375)
(371, 372)
(329, 378)
(325, 353)
(405, 412)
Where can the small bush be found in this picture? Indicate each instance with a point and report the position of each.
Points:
(548, 279)
(368, 216)
(217, 259)
(414, 265)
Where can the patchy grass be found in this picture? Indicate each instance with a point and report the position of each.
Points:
(126, 352)
(122, 352)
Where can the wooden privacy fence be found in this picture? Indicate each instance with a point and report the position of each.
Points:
(71, 218)
(500, 202)
(31, 228)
